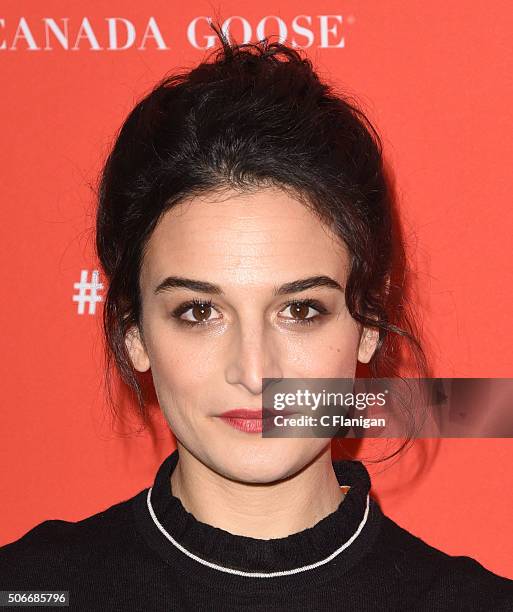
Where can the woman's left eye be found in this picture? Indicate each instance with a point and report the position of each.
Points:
(302, 312)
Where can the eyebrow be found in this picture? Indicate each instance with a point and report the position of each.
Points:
(178, 282)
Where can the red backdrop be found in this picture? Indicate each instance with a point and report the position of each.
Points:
(435, 77)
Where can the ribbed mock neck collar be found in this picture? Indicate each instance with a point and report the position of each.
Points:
(333, 544)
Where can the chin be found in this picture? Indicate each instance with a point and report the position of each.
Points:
(264, 460)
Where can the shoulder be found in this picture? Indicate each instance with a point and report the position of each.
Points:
(436, 580)
(63, 550)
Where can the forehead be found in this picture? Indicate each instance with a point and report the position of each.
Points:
(263, 236)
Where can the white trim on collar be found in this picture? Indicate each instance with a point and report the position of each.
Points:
(256, 574)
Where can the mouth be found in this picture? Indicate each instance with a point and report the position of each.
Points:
(248, 413)
(252, 421)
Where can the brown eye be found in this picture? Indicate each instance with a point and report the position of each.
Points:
(305, 312)
(300, 311)
(195, 313)
(201, 312)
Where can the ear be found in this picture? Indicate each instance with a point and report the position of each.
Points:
(368, 343)
(136, 349)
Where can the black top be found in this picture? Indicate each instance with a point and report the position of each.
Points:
(149, 554)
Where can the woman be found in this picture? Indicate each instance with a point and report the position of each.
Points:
(245, 227)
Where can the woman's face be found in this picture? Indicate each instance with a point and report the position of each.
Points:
(206, 360)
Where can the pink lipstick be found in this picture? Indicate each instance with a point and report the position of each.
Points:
(250, 420)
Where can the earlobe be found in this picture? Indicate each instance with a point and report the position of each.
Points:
(368, 343)
(136, 349)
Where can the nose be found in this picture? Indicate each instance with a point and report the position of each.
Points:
(254, 354)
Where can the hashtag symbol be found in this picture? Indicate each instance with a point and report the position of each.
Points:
(87, 291)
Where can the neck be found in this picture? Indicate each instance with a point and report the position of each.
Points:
(262, 511)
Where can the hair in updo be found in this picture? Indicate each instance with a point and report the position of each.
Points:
(254, 115)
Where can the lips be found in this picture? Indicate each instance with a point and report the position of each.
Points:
(250, 413)
(250, 420)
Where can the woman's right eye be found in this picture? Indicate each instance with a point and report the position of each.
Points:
(198, 312)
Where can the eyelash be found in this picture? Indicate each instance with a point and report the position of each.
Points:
(305, 302)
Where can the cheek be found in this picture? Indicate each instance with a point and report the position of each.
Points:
(329, 360)
(182, 368)
(174, 354)
(180, 392)
(330, 353)
(341, 360)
